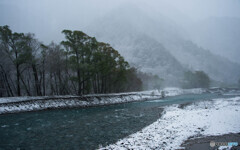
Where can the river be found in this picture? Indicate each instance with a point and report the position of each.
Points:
(84, 128)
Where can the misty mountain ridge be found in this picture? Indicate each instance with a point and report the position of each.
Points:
(137, 47)
(220, 35)
(135, 34)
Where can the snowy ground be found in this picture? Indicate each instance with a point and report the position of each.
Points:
(167, 92)
(179, 122)
(69, 102)
(21, 104)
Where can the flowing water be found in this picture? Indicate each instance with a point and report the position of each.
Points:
(83, 128)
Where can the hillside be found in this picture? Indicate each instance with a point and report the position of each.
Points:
(220, 35)
(158, 45)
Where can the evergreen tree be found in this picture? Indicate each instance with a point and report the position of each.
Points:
(197, 79)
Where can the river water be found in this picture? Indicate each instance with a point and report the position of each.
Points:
(83, 128)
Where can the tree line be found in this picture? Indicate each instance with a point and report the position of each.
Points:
(197, 79)
(78, 65)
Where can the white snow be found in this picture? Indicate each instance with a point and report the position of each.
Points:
(213, 117)
(28, 98)
(60, 102)
(167, 91)
(177, 91)
(20, 104)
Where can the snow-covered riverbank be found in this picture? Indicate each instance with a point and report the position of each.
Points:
(180, 122)
(22, 104)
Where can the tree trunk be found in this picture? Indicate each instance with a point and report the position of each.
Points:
(25, 86)
(79, 82)
(43, 76)
(6, 82)
(18, 81)
(37, 84)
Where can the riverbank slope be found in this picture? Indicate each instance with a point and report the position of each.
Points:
(23, 104)
(182, 122)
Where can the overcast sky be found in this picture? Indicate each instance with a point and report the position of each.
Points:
(47, 18)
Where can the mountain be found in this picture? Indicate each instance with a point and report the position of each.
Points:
(158, 45)
(194, 58)
(219, 35)
(137, 47)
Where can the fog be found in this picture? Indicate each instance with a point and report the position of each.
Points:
(47, 18)
(180, 27)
